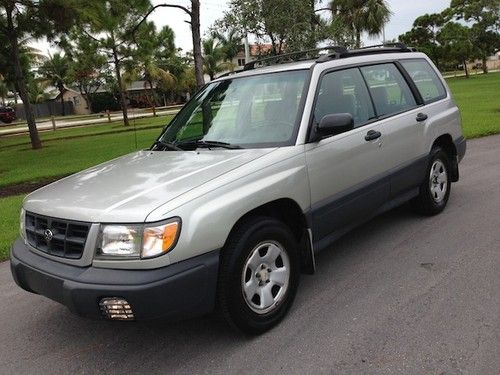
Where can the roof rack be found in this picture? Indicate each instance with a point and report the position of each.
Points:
(338, 52)
(370, 50)
(293, 56)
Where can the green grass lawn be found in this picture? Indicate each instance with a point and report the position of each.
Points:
(88, 130)
(479, 101)
(82, 147)
(70, 150)
(9, 223)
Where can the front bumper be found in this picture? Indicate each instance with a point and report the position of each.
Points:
(184, 289)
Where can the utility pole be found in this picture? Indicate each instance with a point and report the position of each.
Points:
(247, 48)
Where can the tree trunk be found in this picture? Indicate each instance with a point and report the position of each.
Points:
(485, 65)
(123, 99)
(153, 99)
(195, 31)
(358, 39)
(466, 69)
(88, 99)
(21, 83)
(63, 112)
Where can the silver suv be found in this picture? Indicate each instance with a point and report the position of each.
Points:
(260, 171)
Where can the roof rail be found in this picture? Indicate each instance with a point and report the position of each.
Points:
(230, 73)
(369, 50)
(293, 56)
(337, 52)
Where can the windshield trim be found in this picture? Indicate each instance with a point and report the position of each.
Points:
(298, 120)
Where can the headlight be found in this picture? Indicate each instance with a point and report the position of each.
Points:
(138, 241)
(22, 223)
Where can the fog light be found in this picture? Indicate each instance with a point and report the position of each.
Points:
(116, 308)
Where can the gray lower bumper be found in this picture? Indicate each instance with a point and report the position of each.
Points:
(184, 289)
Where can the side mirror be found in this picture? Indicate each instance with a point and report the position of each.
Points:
(335, 124)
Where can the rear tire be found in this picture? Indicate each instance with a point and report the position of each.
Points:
(259, 275)
(436, 188)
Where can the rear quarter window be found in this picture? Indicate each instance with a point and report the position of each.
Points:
(427, 81)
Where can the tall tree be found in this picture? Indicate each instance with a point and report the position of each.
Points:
(286, 24)
(425, 35)
(88, 66)
(19, 18)
(147, 62)
(483, 16)
(55, 70)
(110, 24)
(194, 21)
(458, 43)
(361, 16)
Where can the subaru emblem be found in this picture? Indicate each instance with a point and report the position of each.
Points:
(47, 235)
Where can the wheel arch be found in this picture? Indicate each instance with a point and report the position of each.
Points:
(289, 212)
(445, 141)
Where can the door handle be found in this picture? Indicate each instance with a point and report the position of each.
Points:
(372, 135)
(422, 117)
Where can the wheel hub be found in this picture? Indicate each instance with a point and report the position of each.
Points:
(263, 274)
(438, 181)
(265, 277)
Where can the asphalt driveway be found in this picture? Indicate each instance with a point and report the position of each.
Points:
(402, 294)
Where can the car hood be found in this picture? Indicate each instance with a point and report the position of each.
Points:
(127, 189)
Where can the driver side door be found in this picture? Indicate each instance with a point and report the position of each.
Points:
(344, 169)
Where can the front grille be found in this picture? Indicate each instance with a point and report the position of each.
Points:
(61, 238)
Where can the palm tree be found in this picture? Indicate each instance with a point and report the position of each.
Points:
(37, 90)
(154, 76)
(230, 44)
(55, 70)
(213, 58)
(362, 16)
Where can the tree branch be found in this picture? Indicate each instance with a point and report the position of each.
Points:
(322, 9)
(186, 10)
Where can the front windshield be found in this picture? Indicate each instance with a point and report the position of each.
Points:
(248, 112)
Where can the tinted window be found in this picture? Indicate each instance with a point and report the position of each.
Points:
(389, 90)
(426, 80)
(344, 91)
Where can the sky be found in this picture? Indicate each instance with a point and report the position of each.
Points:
(405, 12)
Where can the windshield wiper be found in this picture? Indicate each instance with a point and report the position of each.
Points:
(208, 144)
(166, 146)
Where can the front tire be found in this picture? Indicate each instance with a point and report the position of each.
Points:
(436, 188)
(259, 275)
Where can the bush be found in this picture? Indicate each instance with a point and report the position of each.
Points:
(103, 101)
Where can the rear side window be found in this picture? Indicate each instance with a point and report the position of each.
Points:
(344, 91)
(390, 92)
(427, 81)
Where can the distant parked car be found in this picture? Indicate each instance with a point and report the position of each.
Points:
(7, 114)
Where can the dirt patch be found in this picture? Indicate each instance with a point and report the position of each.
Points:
(26, 187)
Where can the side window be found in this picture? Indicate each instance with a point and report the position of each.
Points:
(390, 92)
(344, 91)
(427, 81)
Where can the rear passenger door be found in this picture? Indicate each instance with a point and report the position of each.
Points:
(397, 109)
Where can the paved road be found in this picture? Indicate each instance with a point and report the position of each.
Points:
(402, 294)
